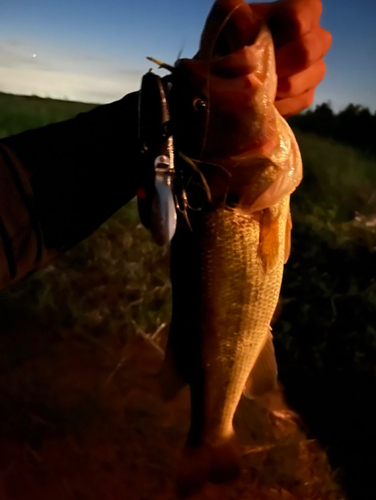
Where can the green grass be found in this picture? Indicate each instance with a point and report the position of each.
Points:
(116, 283)
(338, 182)
(20, 113)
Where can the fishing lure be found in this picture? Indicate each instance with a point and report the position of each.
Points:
(167, 176)
(156, 200)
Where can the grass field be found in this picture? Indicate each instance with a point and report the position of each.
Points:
(19, 113)
(115, 284)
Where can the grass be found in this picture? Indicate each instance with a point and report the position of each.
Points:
(326, 333)
(338, 181)
(19, 113)
(115, 284)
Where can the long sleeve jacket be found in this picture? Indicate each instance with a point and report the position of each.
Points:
(59, 183)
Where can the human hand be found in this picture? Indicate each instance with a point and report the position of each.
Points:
(300, 45)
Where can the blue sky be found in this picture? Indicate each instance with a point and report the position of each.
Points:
(95, 50)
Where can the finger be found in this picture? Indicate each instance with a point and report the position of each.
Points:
(294, 105)
(291, 19)
(302, 53)
(299, 84)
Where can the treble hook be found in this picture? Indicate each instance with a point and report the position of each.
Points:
(194, 167)
(183, 211)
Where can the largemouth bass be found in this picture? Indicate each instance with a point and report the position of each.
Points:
(226, 269)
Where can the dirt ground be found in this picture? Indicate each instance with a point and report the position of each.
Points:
(82, 420)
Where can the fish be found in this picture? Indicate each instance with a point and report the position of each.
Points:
(227, 264)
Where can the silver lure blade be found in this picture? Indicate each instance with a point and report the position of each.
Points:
(163, 211)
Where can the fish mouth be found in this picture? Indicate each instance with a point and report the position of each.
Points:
(235, 28)
(230, 26)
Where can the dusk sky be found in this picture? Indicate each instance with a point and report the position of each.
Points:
(94, 50)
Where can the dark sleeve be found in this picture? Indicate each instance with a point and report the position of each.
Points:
(59, 183)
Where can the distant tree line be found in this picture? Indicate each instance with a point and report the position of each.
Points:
(355, 125)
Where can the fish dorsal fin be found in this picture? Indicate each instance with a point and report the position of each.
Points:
(263, 376)
(269, 239)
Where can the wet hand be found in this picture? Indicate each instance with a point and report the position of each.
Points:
(300, 44)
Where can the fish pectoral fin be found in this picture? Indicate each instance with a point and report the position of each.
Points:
(288, 238)
(269, 239)
(263, 376)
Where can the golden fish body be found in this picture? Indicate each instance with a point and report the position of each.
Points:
(239, 293)
(225, 291)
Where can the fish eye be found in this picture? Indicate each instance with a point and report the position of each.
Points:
(200, 104)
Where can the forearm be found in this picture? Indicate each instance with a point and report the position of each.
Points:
(60, 182)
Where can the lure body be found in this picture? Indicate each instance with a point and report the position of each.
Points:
(156, 203)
